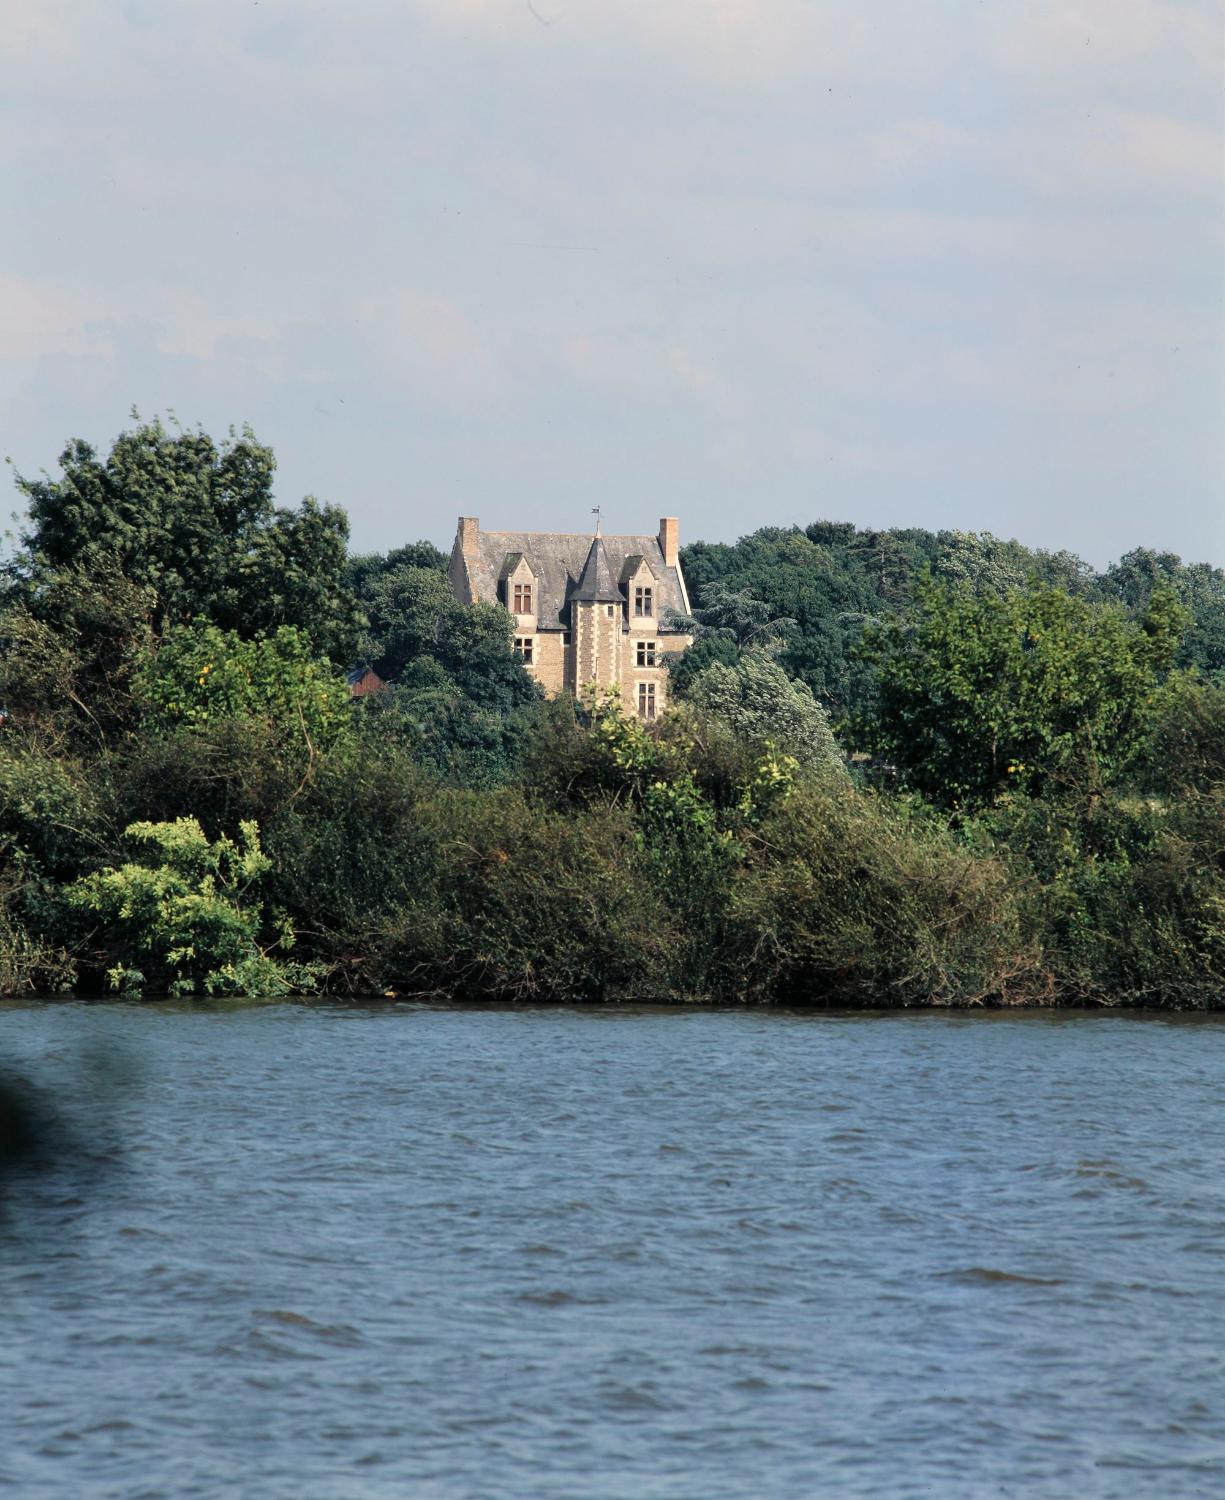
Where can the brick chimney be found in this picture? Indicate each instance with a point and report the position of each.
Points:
(670, 540)
(468, 536)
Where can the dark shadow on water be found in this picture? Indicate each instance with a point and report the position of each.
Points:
(58, 1131)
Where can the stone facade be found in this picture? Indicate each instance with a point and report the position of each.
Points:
(587, 609)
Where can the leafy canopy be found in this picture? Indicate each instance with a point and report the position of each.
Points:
(181, 917)
(194, 521)
(758, 701)
(980, 695)
(200, 674)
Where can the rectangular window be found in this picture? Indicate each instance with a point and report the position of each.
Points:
(611, 607)
(523, 598)
(644, 601)
(646, 700)
(646, 653)
(523, 645)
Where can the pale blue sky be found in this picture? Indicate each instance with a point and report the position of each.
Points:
(749, 262)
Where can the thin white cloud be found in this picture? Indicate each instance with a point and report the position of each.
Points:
(1122, 156)
(655, 368)
(41, 319)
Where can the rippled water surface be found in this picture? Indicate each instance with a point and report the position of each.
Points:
(333, 1253)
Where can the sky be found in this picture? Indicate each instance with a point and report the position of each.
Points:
(940, 263)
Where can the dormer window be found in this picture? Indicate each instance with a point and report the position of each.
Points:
(644, 601)
(523, 599)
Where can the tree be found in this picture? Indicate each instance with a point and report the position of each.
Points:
(364, 569)
(1199, 587)
(201, 674)
(460, 695)
(758, 701)
(475, 645)
(833, 579)
(67, 658)
(406, 606)
(1187, 747)
(735, 615)
(194, 521)
(978, 696)
(685, 667)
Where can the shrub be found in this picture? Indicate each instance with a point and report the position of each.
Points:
(1126, 896)
(396, 880)
(28, 962)
(846, 900)
(179, 919)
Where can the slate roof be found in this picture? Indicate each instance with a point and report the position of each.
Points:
(559, 561)
(595, 585)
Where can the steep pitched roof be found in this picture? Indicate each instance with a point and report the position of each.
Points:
(558, 561)
(596, 584)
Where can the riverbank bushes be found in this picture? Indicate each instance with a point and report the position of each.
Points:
(1027, 805)
(675, 862)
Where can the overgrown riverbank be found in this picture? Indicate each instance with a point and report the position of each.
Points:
(1023, 802)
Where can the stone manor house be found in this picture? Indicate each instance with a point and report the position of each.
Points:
(588, 609)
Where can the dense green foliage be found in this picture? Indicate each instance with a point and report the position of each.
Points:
(458, 693)
(978, 696)
(832, 579)
(1021, 797)
(194, 522)
(200, 674)
(179, 917)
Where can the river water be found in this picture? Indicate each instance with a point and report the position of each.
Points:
(313, 1251)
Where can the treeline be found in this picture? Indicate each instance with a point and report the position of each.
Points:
(901, 768)
(834, 581)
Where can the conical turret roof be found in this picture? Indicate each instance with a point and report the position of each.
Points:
(597, 584)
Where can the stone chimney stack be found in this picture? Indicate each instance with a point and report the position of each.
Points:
(670, 540)
(468, 537)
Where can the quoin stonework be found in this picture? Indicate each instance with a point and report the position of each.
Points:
(588, 609)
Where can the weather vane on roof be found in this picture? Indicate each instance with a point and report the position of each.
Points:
(595, 511)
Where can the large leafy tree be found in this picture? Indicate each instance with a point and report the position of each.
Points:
(735, 615)
(1030, 692)
(193, 520)
(1199, 587)
(832, 579)
(406, 607)
(66, 666)
(364, 570)
(460, 695)
(759, 702)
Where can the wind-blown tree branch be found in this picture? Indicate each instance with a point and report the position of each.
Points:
(193, 521)
(758, 701)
